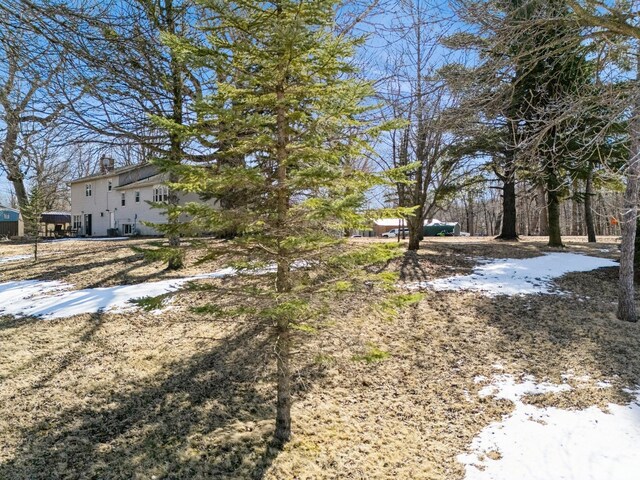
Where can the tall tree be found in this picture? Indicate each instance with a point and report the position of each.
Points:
(290, 107)
(418, 96)
(32, 94)
(499, 90)
(558, 68)
(626, 299)
(129, 75)
(616, 23)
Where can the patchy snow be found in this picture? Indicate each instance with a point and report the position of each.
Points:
(53, 299)
(505, 387)
(14, 258)
(549, 443)
(518, 276)
(87, 239)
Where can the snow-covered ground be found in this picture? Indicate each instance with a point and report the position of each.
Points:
(87, 239)
(535, 443)
(53, 299)
(14, 258)
(518, 276)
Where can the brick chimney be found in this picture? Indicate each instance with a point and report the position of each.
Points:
(107, 164)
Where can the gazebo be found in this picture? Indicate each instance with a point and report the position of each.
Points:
(61, 222)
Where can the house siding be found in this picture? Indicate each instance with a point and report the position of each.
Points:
(102, 204)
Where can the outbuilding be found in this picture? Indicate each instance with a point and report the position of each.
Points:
(432, 227)
(56, 224)
(442, 229)
(11, 223)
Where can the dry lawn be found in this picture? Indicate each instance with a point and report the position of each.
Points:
(187, 396)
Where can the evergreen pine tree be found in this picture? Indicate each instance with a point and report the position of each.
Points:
(32, 213)
(287, 102)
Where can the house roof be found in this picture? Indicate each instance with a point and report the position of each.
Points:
(56, 217)
(110, 173)
(154, 179)
(8, 214)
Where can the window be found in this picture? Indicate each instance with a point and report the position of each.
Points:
(127, 229)
(87, 190)
(160, 193)
(123, 200)
(137, 197)
(77, 222)
(102, 214)
(109, 186)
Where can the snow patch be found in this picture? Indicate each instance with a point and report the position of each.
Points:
(505, 387)
(87, 239)
(53, 299)
(14, 258)
(549, 443)
(518, 276)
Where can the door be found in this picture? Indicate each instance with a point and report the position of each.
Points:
(87, 224)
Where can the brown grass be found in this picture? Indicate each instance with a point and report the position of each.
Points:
(186, 396)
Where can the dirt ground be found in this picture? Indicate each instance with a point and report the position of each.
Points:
(182, 395)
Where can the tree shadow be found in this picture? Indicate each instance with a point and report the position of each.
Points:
(576, 331)
(412, 268)
(207, 416)
(87, 335)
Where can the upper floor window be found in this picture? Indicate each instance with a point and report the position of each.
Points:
(160, 193)
(137, 197)
(109, 185)
(123, 199)
(87, 190)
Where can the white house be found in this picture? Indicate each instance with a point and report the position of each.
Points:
(115, 201)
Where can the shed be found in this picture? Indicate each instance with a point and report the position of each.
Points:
(442, 229)
(61, 222)
(11, 223)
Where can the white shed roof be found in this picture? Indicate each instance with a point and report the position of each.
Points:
(394, 222)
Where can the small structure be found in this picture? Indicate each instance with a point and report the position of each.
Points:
(56, 224)
(432, 227)
(11, 222)
(436, 228)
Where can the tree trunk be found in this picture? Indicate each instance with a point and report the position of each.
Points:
(471, 216)
(636, 253)
(509, 219)
(176, 260)
(588, 210)
(415, 224)
(414, 238)
(626, 293)
(543, 218)
(283, 280)
(574, 212)
(553, 207)
(11, 165)
(283, 409)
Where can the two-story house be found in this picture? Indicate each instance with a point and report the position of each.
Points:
(115, 201)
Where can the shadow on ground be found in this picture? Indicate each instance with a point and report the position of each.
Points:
(204, 417)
